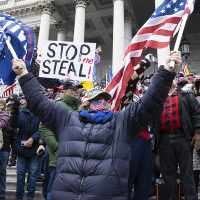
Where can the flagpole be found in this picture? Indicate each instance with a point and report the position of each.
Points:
(106, 80)
(12, 51)
(178, 40)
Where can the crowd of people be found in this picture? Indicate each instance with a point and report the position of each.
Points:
(86, 151)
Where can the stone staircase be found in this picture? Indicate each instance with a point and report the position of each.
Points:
(11, 183)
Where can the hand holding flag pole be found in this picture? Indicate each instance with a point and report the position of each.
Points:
(178, 40)
(9, 45)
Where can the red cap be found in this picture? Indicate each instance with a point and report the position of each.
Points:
(55, 89)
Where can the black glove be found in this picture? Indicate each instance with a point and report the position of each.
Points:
(15, 107)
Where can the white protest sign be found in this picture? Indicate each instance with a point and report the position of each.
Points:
(74, 58)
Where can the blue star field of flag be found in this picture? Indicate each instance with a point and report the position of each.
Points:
(169, 7)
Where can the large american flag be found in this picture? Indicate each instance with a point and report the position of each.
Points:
(9, 90)
(156, 33)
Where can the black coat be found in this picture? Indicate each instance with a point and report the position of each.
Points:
(189, 111)
(93, 159)
(9, 137)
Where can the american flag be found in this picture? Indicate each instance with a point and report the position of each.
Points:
(185, 68)
(9, 90)
(98, 50)
(156, 33)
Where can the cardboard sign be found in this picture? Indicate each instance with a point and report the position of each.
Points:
(74, 58)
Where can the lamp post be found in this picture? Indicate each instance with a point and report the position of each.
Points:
(185, 47)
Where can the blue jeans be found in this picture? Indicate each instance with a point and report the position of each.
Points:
(4, 155)
(52, 178)
(140, 169)
(32, 164)
(46, 173)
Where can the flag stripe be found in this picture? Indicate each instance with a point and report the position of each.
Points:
(30, 39)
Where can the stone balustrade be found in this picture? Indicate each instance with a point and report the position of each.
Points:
(24, 2)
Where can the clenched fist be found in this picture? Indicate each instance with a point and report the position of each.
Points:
(19, 67)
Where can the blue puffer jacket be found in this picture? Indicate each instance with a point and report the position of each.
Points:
(28, 125)
(93, 159)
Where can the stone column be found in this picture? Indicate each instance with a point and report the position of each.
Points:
(118, 35)
(47, 9)
(79, 26)
(128, 35)
(36, 30)
(164, 52)
(62, 30)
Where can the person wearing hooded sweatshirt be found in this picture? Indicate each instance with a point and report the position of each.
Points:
(71, 101)
(94, 145)
(25, 147)
(4, 153)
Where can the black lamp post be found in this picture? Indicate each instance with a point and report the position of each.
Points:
(185, 47)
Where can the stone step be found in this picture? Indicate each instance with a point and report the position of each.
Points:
(10, 195)
(11, 170)
(11, 185)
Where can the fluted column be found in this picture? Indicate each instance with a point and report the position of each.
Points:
(47, 9)
(62, 30)
(118, 34)
(128, 20)
(36, 30)
(79, 26)
(164, 52)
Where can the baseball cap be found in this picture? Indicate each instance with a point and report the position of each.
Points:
(70, 84)
(55, 89)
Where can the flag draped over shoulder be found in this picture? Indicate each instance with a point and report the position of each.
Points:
(21, 38)
(185, 68)
(156, 33)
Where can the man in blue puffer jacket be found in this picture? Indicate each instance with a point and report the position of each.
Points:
(25, 146)
(94, 150)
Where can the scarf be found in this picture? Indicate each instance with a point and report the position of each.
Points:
(99, 105)
(98, 118)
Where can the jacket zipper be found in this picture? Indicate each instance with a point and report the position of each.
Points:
(117, 176)
(84, 163)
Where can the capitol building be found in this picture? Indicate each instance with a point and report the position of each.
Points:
(108, 23)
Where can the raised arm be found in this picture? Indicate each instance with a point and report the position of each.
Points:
(53, 115)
